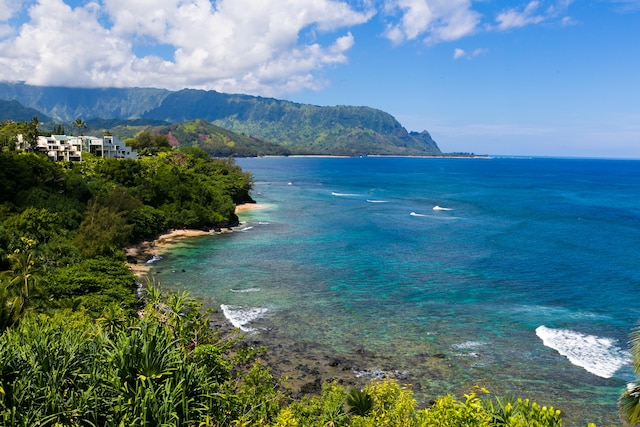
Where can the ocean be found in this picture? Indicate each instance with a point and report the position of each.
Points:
(518, 274)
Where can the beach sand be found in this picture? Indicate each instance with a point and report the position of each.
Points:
(138, 255)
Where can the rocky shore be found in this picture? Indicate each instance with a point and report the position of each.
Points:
(304, 365)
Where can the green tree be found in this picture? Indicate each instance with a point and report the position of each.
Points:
(80, 126)
(25, 274)
(629, 402)
(102, 232)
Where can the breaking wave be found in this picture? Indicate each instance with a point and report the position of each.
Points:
(597, 355)
(240, 316)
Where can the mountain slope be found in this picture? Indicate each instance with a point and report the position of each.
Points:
(13, 110)
(349, 130)
(67, 104)
(332, 130)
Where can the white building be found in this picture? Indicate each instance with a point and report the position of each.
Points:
(61, 147)
(70, 148)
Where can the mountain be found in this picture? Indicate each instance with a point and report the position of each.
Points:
(300, 127)
(67, 104)
(13, 110)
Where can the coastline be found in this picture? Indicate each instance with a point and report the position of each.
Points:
(139, 255)
(304, 367)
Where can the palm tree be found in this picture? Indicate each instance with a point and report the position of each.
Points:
(80, 124)
(629, 402)
(24, 275)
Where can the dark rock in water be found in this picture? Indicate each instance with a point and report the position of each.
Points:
(314, 387)
(334, 362)
(439, 356)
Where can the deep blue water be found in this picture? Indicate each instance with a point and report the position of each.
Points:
(525, 277)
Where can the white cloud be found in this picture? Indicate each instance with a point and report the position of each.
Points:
(534, 12)
(264, 47)
(461, 53)
(252, 46)
(433, 20)
(8, 8)
(515, 19)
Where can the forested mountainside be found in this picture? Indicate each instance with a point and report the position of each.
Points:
(331, 130)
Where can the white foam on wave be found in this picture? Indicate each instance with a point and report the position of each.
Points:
(246, 228)
(333, 193)
(439, 208)
(240, 316)
(376, 201)
(244, 291)
(153, 259)
(597, 355)
(416, 214)
(469, 345)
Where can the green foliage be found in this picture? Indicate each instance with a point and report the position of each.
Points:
(324, 410)
(146, 143)
(629, 401)
(393, 405)
(96, 281)
(103, 232)
(67, 369)
(359, 402)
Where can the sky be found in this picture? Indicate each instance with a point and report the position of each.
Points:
(525, 78)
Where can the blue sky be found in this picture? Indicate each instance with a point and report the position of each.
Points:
(537, 77)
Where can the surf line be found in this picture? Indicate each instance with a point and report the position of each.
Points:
(597, 355)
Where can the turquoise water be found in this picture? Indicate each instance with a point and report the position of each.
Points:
(524, 278)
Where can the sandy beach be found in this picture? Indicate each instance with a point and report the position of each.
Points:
(139, 254)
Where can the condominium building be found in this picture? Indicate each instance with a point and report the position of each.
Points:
(70, 148)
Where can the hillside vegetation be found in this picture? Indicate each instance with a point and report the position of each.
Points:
(299, 128)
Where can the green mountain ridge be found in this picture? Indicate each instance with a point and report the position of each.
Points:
(305, 128)
(13, 110)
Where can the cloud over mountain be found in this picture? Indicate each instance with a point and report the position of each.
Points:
(262, 47)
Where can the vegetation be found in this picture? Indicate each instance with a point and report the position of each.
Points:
(629, 402)
(269, 126)
(167, 367)
(63, 226)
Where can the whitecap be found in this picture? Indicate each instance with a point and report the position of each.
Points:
(376, 201)
(468, 345)
(333, 193)
(240, 316)
(263, 223)
(439, 208)
(153, 259)
(246, 228)
(597, 355)
(416, 214)
(244, 291)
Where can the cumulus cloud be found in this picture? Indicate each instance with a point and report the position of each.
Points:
(8, 8)
(262, 47)
(251, 46)
(433, 20)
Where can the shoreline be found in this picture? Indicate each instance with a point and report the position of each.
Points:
(303, 366)
(139, 255)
